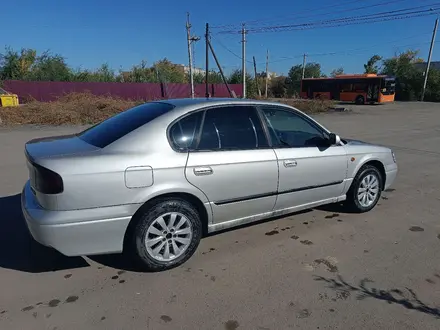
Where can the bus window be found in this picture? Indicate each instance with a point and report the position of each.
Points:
(388, 86)
(305, 85)
(360, 87)
(346, 87)
(391, 87)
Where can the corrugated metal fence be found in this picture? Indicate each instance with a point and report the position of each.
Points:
(50, 90)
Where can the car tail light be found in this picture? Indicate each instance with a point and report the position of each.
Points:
(47, 181)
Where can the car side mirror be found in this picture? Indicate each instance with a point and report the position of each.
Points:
(334, 139)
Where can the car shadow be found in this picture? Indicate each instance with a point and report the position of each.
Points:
(255, 223)
(352, 103)
(120, 261)
(335, 208)
(406, 298)
(125, 262)
(19, 251)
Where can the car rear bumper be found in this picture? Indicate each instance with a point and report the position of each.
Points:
(391, 174)
(76, 232)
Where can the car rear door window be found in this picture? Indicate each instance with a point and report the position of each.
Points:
(232, 127)
(113, 128)
(183, 134)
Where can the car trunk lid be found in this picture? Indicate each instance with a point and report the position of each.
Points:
(57, 146)
(46, 182)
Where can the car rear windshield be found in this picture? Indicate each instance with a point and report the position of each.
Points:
(113, 128)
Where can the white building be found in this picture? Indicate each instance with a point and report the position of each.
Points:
(185, 69)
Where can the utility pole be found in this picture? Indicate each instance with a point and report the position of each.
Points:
(304, 65)
(207, 61)
(256, 77)
(220, 69)
(429, 59)
(267, 72)
(243, 59)
(188, 37)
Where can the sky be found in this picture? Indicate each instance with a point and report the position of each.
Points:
(89, 33)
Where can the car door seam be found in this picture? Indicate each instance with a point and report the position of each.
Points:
(187, 180)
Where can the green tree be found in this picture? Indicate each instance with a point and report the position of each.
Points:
(48, 67)
(9, 65)
(312, 70)
(81, 75)
(432, 92)
(139, 73)
(236, 77)
(372, 65)
(409, 79)
(14, 65)
(337, 72)
(169, 72)
(102, 74)
(213, 78)
(278, 87)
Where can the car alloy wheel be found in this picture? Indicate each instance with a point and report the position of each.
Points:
(168, 236)
(166, 233)
(368, 190)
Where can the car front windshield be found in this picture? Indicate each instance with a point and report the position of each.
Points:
(113, 128)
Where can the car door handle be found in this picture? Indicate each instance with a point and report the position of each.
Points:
(204, 170)
(290, 163)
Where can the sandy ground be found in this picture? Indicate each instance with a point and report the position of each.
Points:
(323, 269)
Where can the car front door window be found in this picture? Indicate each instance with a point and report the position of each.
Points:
(288, 129)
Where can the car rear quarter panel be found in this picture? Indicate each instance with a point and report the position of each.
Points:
(98, 179)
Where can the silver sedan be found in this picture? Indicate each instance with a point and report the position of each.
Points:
(154, 179)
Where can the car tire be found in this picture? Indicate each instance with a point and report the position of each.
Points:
(360, 100)
(367, 182)
(179, 240)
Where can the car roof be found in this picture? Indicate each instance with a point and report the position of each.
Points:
(200, 102)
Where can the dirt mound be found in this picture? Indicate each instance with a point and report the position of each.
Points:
(70, 109)
(308, 106)
(86, 108)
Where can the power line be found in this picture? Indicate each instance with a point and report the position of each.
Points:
(350, 51)
(385, 14)
(342, 22)
(346, 52)
(400, 14)
(230, 51)
(284, 16)
(266, 22)
(354, 20)
(351, 9)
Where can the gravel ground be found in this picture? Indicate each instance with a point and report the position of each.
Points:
(323, 269)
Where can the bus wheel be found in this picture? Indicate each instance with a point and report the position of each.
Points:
(360, 100)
